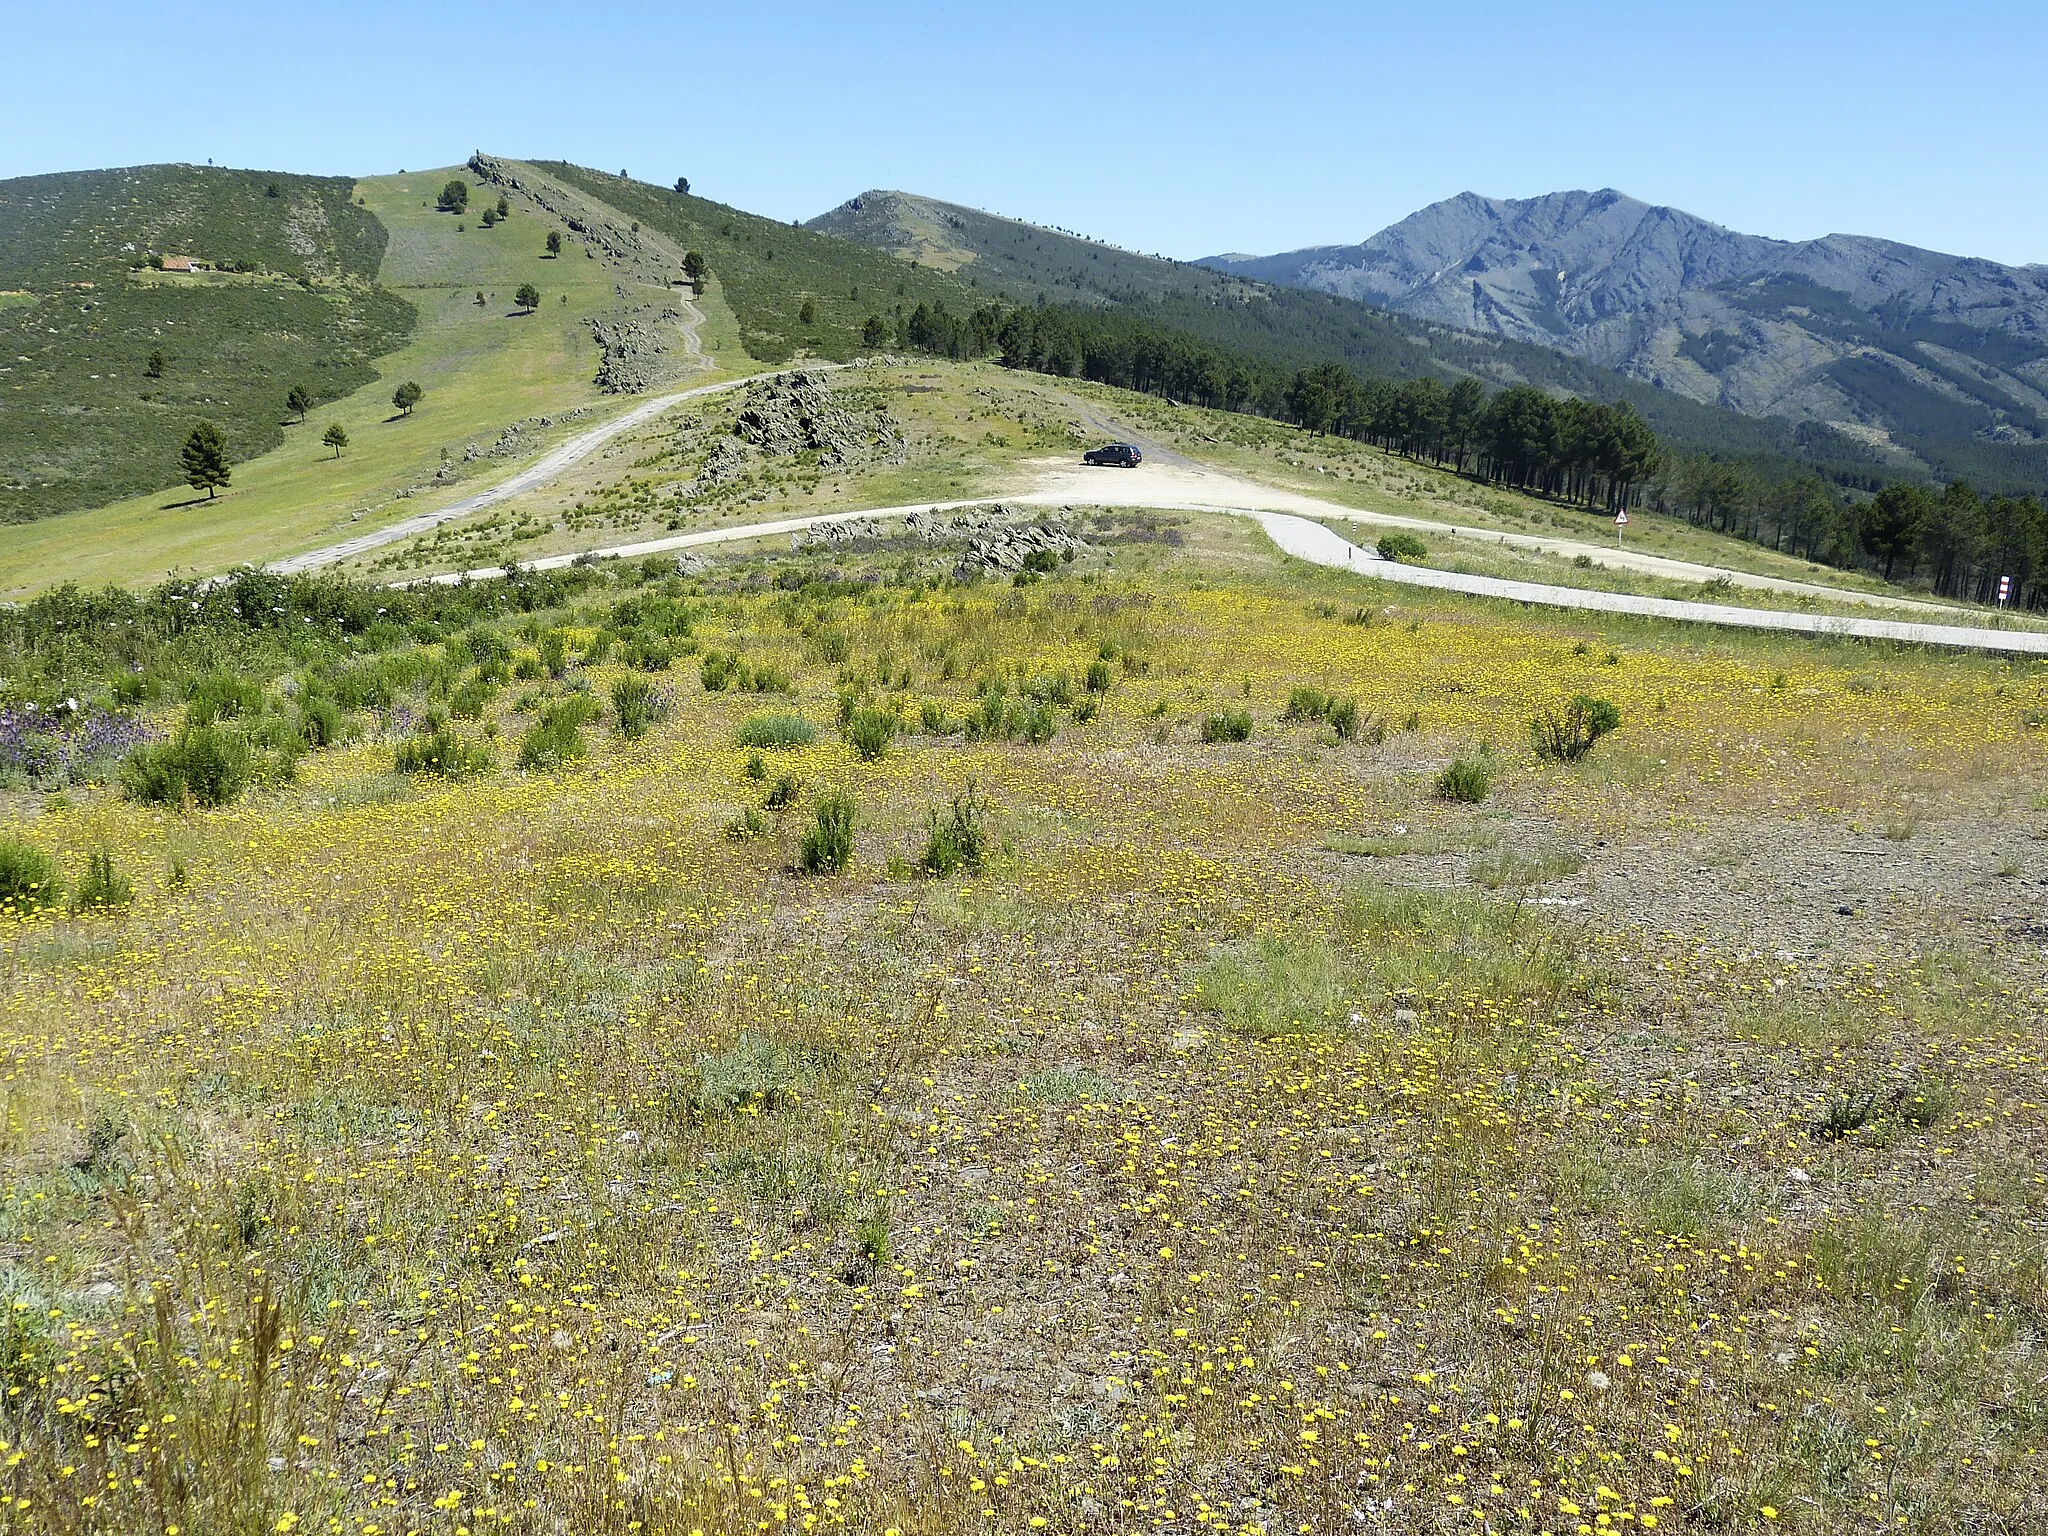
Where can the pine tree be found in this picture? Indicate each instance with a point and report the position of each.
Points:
(205, 459)
(336, 438)
(298, 402)
(407, 395)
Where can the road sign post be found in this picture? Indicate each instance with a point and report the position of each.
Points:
(1620, 522)
(2004, 589)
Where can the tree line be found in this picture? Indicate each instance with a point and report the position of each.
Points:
(1570, 449)
(1575, 450)
(1956, 540)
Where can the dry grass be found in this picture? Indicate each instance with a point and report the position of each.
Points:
(523, 1154)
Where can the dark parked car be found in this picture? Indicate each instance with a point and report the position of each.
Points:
(1119, 455)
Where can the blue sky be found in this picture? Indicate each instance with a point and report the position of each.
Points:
(1183, 129)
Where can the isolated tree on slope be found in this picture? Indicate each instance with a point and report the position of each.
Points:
(528, 297)
(336, 438)
(554, 242)
(454, 197)
(695, 269)
(205, 459)
(298, 402)
(407, 395)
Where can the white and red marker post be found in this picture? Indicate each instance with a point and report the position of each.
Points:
(2004, 589)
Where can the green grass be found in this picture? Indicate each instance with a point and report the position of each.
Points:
(482, 367)
(82, 420)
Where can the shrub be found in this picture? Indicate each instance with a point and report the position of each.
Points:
(782, 794)
(1565, 736)
(1307, 704)
(717, 670)
(958, 838)
(766, 679)
(827, 846)
(653, 653)
(1227, 725)
(870, 731)
(1343, 718)
(746, 826)
(557, 736)
(1404, 547)
(471, 697)
(554, 652)
(222, 696)
(204, 766)
(1468, 780)
(756, 1074)
(776, 731)
(636, 705)
(28, 879)
(1098, 676)
(932, 715)
(1036, 724)
(322, 723)
(104, 889)
(437, 748)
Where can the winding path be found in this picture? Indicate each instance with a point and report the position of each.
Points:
(1304, 539)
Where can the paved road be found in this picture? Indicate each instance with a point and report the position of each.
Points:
(1311, 541)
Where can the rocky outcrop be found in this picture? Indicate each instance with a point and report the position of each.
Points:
(796, 413)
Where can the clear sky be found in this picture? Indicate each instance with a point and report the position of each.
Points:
(1186, 130)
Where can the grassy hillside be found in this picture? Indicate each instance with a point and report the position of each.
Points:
(770, 270)
(484, 368)
(1293, 328)
(294, 300)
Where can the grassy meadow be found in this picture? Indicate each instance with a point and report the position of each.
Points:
(530, 1107)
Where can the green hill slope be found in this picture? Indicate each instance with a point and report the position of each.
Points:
(291, 298)
(769, 271)
(1293, 328)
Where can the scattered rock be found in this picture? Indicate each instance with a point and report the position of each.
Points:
(630, 354)
(795, 413)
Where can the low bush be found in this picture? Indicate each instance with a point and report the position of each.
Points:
(1403, 547)
(1306, 704)
(322, 723)
(827, 846)
(870, 731)
(1467, 780)
(782, 794)
(204, 766)
(775, 731)
(746, 826)
(637, 705)
(1227, 725)
(756, 1075)
(958, 837)
(437, 748)
(557, 735)
(222, 696)
(1566, 735)
(1098, 676)
(1341, 715)
(104, 888)
(29, 880)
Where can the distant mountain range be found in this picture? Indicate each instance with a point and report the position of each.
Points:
(1938, 356)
